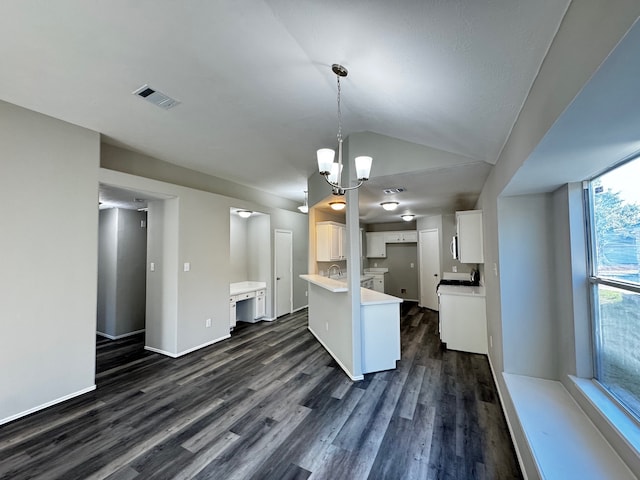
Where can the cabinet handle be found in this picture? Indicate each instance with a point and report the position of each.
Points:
(277, 278)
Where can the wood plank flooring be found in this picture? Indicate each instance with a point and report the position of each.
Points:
(270, 403)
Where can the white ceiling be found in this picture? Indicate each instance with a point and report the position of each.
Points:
(254, 81)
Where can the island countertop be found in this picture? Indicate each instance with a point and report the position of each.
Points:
(367, 296)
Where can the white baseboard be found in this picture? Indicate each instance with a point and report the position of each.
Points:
(506, 416)
(180, 354)
(300, 308)
(353, 377)
(47, 405)
(118, 337)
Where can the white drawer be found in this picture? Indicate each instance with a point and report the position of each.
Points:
(244, 296)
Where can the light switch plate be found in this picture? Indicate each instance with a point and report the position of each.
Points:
(152, 267)
(187, 266)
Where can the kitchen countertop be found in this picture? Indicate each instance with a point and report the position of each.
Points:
(367, 296)
(244, 287)
(461, 290)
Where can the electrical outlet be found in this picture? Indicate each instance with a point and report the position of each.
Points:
(490, 341)
(454, 269)
(326, 326)
(207, 323)
(375, 265)
(152, 267)
(403, 290)
(306, 293)
(411, 264)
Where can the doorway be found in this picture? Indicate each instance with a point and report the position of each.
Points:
(283, 261)
(429, 258)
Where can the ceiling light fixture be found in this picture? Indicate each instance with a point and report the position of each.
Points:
(244, 213)
(407, 217)
(389, 205)
(304, 208)
(332, 171)
(338, 205)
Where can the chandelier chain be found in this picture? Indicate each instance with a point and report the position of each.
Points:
(339, 112)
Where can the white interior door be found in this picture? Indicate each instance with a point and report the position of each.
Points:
(283, 269)
(429, 256)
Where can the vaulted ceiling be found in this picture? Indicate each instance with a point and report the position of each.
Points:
(257, 95)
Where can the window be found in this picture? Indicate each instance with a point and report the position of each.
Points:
(614, 200)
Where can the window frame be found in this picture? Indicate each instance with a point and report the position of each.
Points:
(594, 281)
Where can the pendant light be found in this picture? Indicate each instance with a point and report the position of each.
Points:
(332, 171)
(305, 208)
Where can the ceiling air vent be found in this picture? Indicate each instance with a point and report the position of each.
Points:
(390, 191)
(156, 97)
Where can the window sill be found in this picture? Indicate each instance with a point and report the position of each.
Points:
(562, 439)
(622, 431)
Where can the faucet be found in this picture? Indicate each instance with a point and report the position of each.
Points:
(339, 270)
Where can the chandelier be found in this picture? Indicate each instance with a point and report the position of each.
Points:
(332, 171)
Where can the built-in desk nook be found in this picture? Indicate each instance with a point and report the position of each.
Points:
(246, 302)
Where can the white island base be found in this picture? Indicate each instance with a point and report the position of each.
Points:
(331, 323)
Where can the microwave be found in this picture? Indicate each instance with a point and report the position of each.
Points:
(454, 248)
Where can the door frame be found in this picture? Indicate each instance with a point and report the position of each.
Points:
(420, 279)
(275, 271)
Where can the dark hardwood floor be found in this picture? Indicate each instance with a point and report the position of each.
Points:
(270, 403)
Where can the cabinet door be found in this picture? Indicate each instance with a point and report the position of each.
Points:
(470, 246)
(376, 246)
(410, 236)
(260, 304)
(232, 312)
(336, 242)
(393, 237)
(378, 283)
(343, 243)
(328, 242)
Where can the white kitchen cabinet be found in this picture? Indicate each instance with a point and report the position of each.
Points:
(331, 241)
(260, 305)
(232, 312)
(378, 283)
(463, 321)
(376, 246)
(469, 229)
(406, 236)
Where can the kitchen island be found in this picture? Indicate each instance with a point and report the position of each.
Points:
(375, 346)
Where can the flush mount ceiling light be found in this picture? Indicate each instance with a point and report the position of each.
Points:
(338, 205)
(244, 213)
(407, 217)
(389, 205)
(332, 171)
(304, 208)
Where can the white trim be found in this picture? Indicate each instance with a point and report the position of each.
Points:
(346, 370)
(506, 416)
(47, 404)
(301, 308)
(118, 337)
(176, 355)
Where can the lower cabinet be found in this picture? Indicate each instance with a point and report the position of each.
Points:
(260, 306)
(232, 312)
(378, 283)
(463, 322)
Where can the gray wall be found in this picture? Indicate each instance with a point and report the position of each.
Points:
(575, 54)
(48, 288)
(107, 270)
(238, 252)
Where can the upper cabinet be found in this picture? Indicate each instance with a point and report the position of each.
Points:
(403, 236)
(331, 242)
(469, 228)
(377, 241)
(376, 246)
